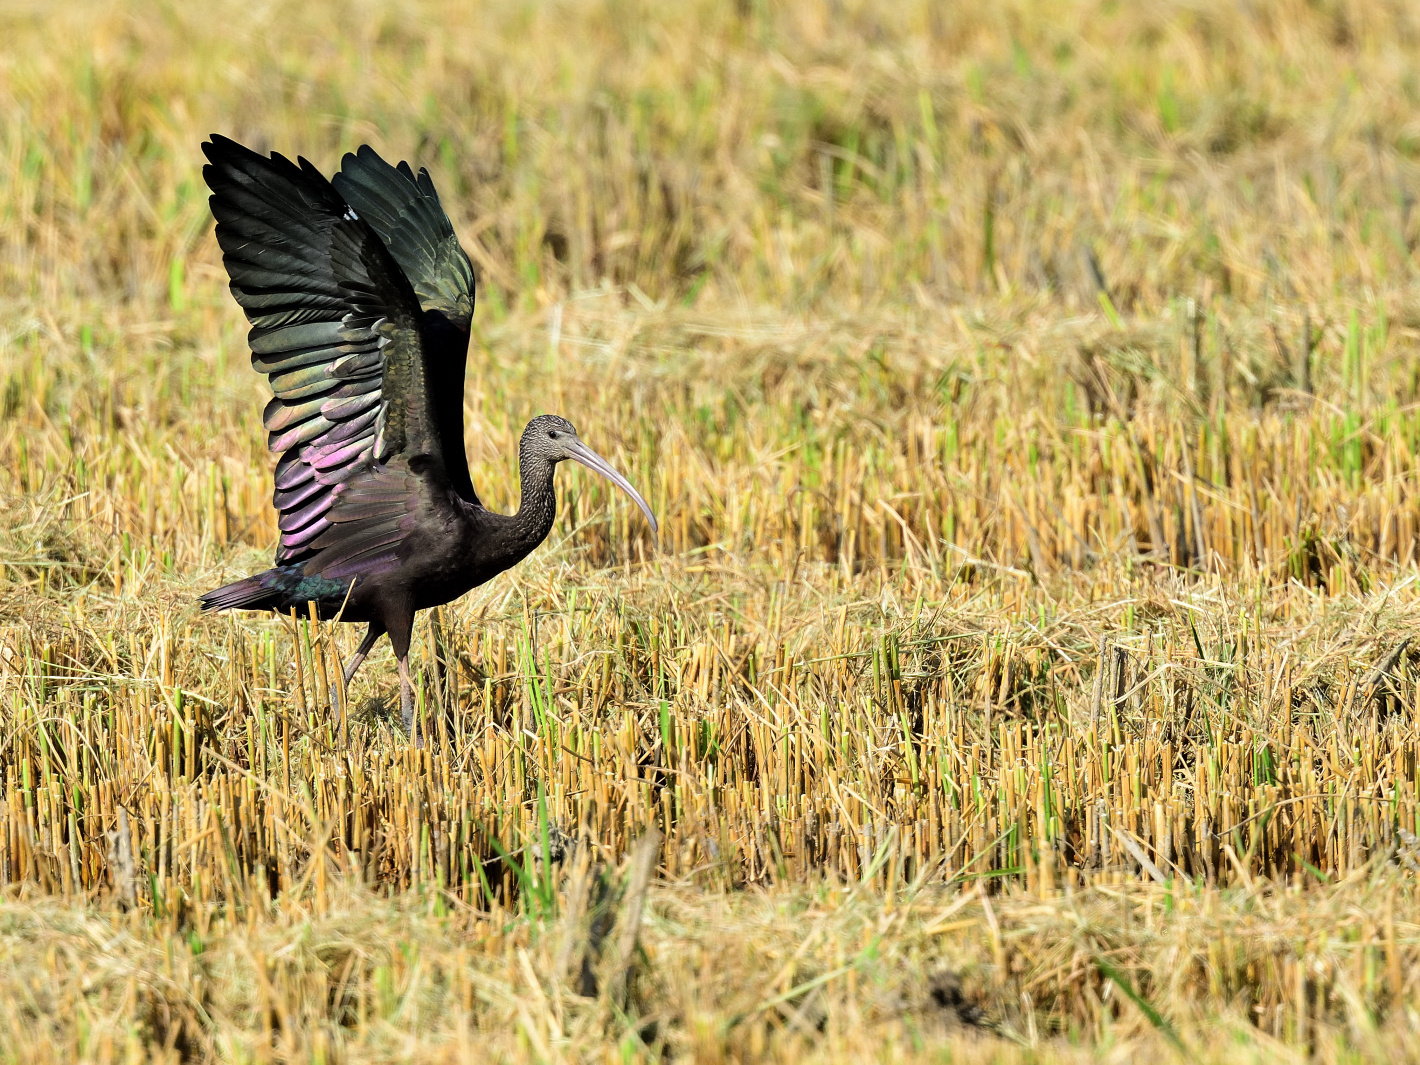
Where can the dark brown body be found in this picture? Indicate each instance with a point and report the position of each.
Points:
(453, 547)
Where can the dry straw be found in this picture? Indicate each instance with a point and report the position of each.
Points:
(1028, 397)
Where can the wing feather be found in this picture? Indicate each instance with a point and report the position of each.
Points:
(405, 211)
(336, 327)
(372, 515)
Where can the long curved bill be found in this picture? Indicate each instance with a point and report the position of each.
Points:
(589, 458)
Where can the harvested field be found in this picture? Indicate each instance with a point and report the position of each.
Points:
(1025, 670)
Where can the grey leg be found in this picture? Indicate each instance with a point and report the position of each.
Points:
(406, 702)
(375, 631)
(399, 619)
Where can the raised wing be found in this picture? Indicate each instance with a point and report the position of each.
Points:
(405, 211)
(337, 329)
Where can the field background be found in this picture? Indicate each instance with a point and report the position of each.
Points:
(1029, 393)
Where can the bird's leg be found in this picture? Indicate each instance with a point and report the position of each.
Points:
(406, 701)
(339, 691)
(399, 620)
(373, 633)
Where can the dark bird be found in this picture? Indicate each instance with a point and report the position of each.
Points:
(360, 301)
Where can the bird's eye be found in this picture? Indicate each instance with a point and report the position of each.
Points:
(554, 434)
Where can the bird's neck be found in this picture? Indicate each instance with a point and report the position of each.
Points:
(538, 506)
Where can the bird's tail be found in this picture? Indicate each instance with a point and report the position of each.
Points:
(258, 592)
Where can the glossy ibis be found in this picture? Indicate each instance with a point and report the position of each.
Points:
(360, 300)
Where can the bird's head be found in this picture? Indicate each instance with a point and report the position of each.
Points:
(553, 439)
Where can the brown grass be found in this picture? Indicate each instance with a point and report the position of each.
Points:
(1030, 401)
